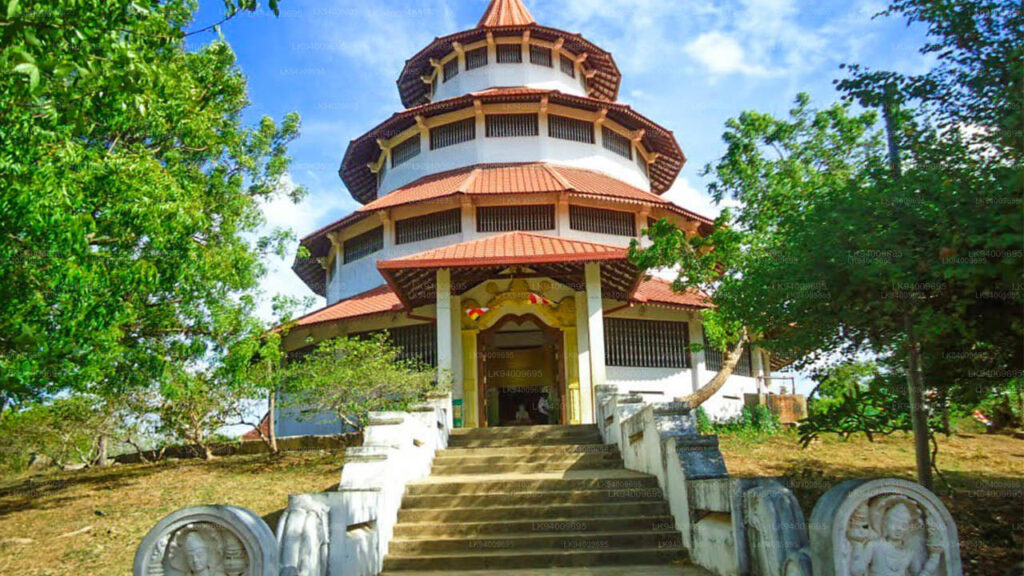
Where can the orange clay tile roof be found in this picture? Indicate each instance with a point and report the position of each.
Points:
(655, 291)
(506, 13)
(508, 249)
(362, 182)
(530, 178)
(377, 301)
(382, 300)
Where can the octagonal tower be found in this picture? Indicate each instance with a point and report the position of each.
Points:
(498, 208)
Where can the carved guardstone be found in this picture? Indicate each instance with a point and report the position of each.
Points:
(208, 541)
(883, 528)
(303, 534)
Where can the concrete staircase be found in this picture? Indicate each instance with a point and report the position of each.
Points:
(530, 499)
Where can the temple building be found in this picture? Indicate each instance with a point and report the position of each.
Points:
(492, 243)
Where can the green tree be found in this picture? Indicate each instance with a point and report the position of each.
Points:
(351, 377)
(256, 367)
(131, 195)
(851, 237)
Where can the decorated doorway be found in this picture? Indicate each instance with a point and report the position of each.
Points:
(522, 377)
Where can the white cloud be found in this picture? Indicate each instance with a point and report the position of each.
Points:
(682, 193)
(722, 55)
(302, 218)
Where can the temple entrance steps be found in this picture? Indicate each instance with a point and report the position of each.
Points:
(544, 500)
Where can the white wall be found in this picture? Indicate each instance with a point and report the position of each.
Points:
(496, 75)
(541, 148)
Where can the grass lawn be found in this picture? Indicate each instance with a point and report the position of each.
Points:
(984, 475)
(89, 523)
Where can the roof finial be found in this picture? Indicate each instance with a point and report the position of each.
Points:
(506, 13)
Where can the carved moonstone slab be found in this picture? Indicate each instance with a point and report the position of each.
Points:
(883, 528)
(208, 541)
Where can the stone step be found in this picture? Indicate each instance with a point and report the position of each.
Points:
(525, 431)
(512, 441)
(544, 498)
(512, 467)
(526, 484)
(469, 458)
(674, 569)
(525, 450)
(560, 511)
(504, 560)
(418, 530)
(555, 543)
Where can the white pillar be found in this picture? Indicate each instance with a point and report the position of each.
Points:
(756, 369)
(583, 357)
(595, 321)
(562, 222)
(698, 358)
(445, 365)
(468, 219)
(456, 329)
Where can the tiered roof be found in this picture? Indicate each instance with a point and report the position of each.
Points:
(490, 180)
(362, 182)
(383, 300)
(506, 13)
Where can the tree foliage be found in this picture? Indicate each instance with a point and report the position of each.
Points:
(131, 194)
(351, 377)
(903, 239)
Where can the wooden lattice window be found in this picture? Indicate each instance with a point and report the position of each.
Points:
(418, 343)
(512, 218)
(565, 128)
(428, 226)
(512, 125)
(510, 53)
(617, 143)
(361, 246)
(541, 56)
(714, 358)
(476, 58)
(646, 343)
(405, 151)
(568, 66)
(451, 69)
(452, 134)
(602, 221)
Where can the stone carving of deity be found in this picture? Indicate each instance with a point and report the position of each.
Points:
(303, 537)
(208, 541)
(201, 550)
(893, 536)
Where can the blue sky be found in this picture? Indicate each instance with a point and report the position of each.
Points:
(687, 64)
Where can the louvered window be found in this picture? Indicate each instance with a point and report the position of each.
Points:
(510, 53)
(714, 358)
(451, 69)
(568, 66)
(476, 58)
(452, 134)
(540, 56)
(417, 343)
(428, 226)
(361, 246)
(512, 125)
(405, 151)
(646, 344)
(571, 129)
(617, 143)
(602, 221)
(511, 218)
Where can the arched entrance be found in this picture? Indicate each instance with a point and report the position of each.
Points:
(521, 363)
